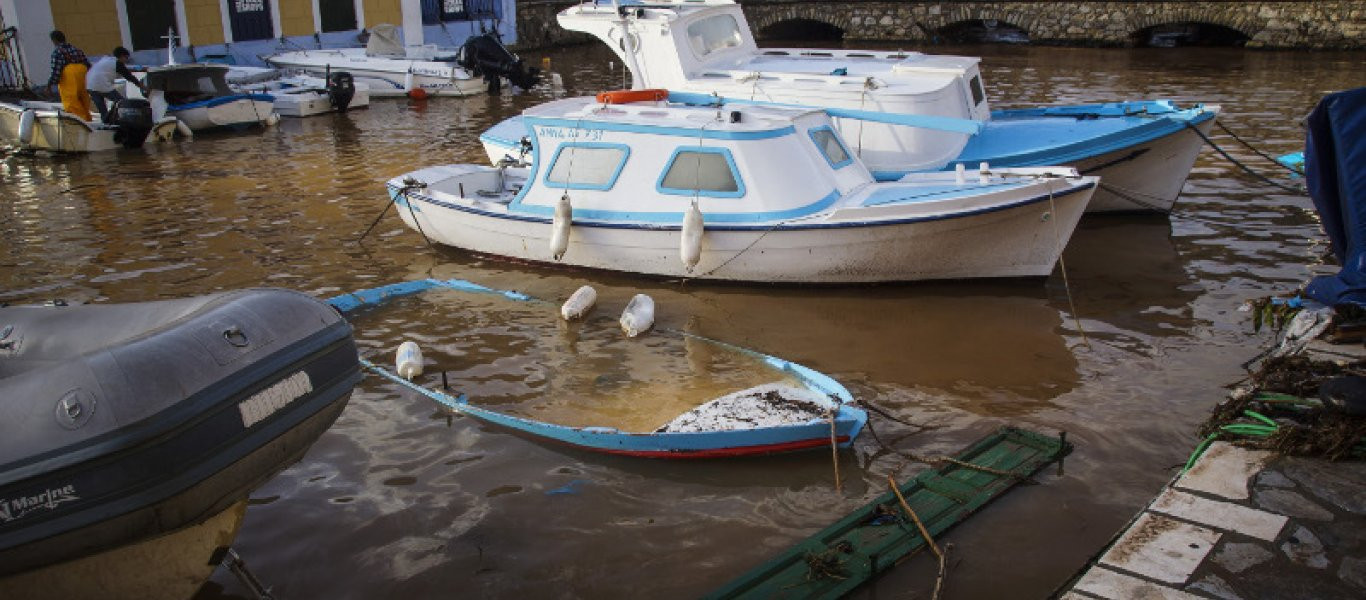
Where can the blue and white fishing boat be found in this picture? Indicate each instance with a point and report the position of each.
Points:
(198, 95)
(813, 411)
(1142, 150)
(741, 193)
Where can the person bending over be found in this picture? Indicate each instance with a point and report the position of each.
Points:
(100, 80)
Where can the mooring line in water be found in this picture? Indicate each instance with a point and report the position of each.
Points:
(1269, 158)
(834, 448)
(1239, 164)
(1062, 266)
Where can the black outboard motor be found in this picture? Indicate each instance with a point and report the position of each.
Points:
(133, 119)
(341, 88)
(485, 55)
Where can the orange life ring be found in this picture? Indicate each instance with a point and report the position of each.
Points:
(625, 96)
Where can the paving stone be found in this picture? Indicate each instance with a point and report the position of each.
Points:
(1214, 586)
(1269, 478)
(1161, 548)
(1353, 571)
(1109, 584)
(1337, 483)
(1220, 515)
(1237, 557)
(1224, 470)
(1304, 547)
(1291, 504)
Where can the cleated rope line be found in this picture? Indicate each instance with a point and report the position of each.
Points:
(1270, 159)
(1263, 178)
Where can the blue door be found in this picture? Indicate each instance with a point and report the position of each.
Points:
(250, 20)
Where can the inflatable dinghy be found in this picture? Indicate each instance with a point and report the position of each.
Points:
(125, 422)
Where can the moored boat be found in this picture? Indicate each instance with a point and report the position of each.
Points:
(302, 95)
(743, 193)
(388, 68)
(33, 125)
(1141, 149)
(198, 95)
(126, 422)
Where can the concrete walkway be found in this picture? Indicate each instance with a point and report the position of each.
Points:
(1242, 524)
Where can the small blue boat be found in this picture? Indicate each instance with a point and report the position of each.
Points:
(818, 414)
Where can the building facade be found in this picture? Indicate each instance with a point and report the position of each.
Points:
(240, 31)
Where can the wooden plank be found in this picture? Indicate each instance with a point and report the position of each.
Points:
(871, 539)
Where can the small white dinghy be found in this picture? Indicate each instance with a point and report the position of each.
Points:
(781, 198)
(301, 95)
(45, 126)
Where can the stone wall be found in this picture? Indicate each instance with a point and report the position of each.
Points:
(1319, 24)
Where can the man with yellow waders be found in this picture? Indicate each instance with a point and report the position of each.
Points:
(69, 65)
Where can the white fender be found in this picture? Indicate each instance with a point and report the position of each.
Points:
(183, 129)
(408, 81)
(690, 243)
(26, 123)
(579, 303)
(408, 361)
(272, 119)
(639, 315)
(559, 233)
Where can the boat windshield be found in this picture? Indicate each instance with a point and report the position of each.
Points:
(702, 171)
(830, 146)
(586, 166)
(714, 33)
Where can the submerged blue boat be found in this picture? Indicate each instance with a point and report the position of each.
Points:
(818, 414)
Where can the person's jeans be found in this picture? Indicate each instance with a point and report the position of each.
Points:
(100, 97)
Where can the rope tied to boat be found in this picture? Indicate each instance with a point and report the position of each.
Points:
(1062, 263)
(1229, 157)
(834, 447)
(409, 185)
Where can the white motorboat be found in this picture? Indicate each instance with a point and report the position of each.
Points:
(745, 193)
(1142, 149)
(388, 68)
(33, 125)
(198, 95)
(301, 95)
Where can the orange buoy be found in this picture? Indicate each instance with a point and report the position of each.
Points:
(625, 96)
(417, 93)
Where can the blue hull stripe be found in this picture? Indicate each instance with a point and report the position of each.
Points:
(220, 100)
(395, 196)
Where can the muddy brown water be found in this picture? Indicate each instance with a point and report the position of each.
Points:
(398, 499)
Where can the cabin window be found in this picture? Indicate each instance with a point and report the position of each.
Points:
(714, 33)
(696, 170)
(831, 147)
(978, 95)
(586, 166)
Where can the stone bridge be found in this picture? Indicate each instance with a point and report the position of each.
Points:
(1317, 24)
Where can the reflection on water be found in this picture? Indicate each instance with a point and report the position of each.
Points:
(400, 498)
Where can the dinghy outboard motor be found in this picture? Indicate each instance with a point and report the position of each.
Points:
(341, 88)
(133, 119)
(485, 55)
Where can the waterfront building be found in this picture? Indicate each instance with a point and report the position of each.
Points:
(239, 31)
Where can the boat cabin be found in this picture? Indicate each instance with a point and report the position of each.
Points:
(646, 162)
(184, 84)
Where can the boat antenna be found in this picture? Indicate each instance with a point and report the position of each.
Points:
(629, 48)
(170, 45)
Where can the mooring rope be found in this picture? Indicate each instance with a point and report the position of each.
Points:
(1062, 265)
(1263, 178)
(1270, 159)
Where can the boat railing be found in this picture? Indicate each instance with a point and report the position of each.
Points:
(951, 124)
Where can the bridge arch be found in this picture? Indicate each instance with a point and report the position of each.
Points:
(988, 30)
(1141, 26)
(812, 17)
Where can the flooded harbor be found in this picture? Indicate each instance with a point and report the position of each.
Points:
(400, 498)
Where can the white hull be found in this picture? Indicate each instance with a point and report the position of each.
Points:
(56, 131)
(385, 77)
(295, 96)
(308, 102)
(995, 239)
(240, 112)
(1146, 177)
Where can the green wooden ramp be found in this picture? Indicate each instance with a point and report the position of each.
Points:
(870, 540)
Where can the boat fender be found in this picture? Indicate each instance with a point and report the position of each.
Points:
(960, 174)
(639, 315)
(690, 243)
(627, 96)
(579, 303)
(408, 362)
(983, 173)
(26, 121)
(183, 129)
(272, 119)
(559, 233)
(408, 83)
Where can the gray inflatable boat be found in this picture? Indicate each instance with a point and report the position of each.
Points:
(123, 422)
